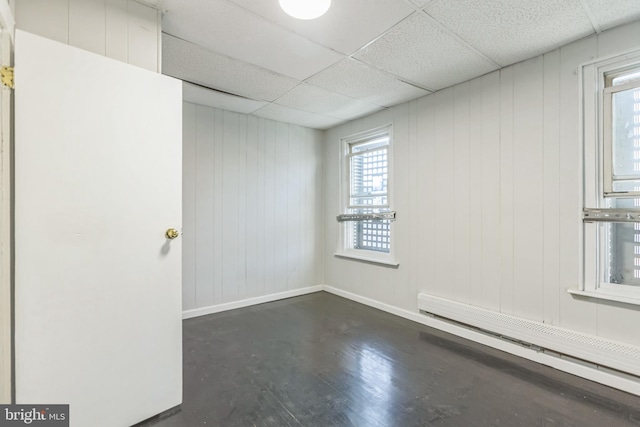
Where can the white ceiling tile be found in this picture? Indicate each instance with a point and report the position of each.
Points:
(357, 80)
(252, 49)
(231, 30)
(610, 13)
(310, 98)
(203, 96)
(418, 50)
(298, 117)
(347, 25)
(509, 31)
(195, 64)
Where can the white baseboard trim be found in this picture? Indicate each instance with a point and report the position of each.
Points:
(608, 378)
(196, 312)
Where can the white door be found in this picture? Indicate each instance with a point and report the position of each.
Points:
(97, 283)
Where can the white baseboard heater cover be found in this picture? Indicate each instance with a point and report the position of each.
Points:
(611, 354)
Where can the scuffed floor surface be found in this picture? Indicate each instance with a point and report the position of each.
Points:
(321, 360)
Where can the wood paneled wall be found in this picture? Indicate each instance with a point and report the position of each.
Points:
(488, 193)
(120, 29)
(252, 198)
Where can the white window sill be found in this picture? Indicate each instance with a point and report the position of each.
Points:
(372, 260)
(605, 296)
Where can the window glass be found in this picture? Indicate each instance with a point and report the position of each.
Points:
(367, 183)
(369, 178)
(623, 264)
(370, 144)
(625, 78)
(626, 133)
(371, 235)
(625, 186)
(622, 240)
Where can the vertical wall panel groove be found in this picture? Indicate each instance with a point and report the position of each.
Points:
(506, 191)
(116, 30)
(217, 219)
(575, 314)
(413, 188)
(400, 117)
(189, 156)
(230, 206)
(270, 207)
(443, 168)
(292, 205)
(426, 153)
(551, 190)
(204, 205)
(475, 267)
(253, 235)
(242, 207)
(490, 155)
(528, 184)
(462, 177)
(87, 29)
(281, 206)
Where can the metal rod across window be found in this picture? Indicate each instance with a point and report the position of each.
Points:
(390, 216)
(610, 215)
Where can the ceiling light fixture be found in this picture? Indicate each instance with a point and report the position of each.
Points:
(305, 9)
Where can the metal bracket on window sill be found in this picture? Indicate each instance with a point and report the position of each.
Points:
(390, 216)
(610, 215)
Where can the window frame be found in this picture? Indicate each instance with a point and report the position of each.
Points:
(596, 118)
(344, 249)
(607, 117)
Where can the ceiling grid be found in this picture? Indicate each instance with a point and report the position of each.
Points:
(361, 56)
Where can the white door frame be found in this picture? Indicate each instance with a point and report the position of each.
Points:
(7, 26)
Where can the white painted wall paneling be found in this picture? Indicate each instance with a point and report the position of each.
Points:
(527, 180)
(507, 188)
(120, 29)
(444, 168)
(576, 314)
(253, 208)
(551, 196)
(462, 176)
(488, 194)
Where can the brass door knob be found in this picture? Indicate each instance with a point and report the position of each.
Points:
(171, 233)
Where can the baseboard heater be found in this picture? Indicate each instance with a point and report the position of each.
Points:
(610, 354)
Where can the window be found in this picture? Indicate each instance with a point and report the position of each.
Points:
(622, 133)
(366, 166)
(611, 121)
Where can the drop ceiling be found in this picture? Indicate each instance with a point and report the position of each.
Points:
(363, 55)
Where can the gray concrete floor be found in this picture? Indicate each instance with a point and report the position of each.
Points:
(321, 360)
